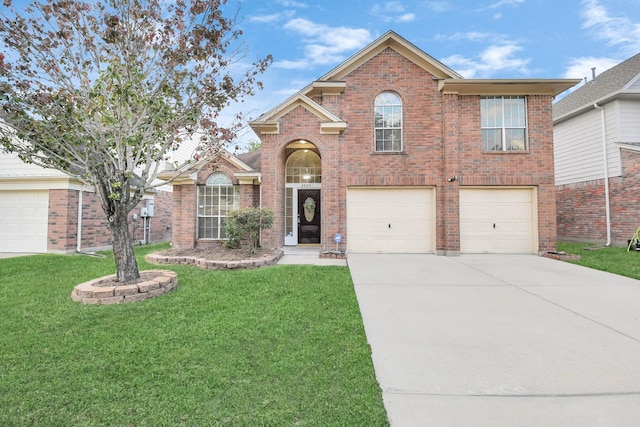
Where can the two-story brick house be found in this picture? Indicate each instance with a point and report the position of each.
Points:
(397, 153)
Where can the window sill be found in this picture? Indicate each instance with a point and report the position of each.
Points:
(389, 153)
(507, 152)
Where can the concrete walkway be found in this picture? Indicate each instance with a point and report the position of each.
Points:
(499, 340)
(307, 255)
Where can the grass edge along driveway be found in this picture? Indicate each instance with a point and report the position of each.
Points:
(613, 259)
(282, 345)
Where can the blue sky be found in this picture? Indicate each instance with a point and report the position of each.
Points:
(478, 39)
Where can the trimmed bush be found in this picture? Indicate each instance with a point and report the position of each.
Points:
(246, 224)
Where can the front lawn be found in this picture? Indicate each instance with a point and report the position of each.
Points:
(282, 345)
(612, 259)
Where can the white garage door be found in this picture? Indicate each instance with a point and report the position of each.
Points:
(23, 221)
(496, 220)
(390, 220)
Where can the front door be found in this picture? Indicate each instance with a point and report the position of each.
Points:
(308, 216)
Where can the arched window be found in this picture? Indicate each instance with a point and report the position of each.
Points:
(388, 122)
(304, 167)
(215, 199)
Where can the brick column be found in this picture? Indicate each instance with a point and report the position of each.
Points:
(184, 216)
(450, 186)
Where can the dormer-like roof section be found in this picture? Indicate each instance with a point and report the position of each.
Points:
(268, 122)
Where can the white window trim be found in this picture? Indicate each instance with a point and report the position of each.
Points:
(504, 128)
(401, 127)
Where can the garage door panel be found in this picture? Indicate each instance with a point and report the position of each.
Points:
(497, 221)
(390, 220)
(24, 221)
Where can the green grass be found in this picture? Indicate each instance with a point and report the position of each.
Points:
(282, 345)
(612, 259)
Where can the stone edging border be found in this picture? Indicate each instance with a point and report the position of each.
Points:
(91, 293)
(562, 256)
(264, 261)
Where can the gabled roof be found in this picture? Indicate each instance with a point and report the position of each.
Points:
(185, 172)
(268, 122)
(332, 83)
(400, 45)
(608, 85)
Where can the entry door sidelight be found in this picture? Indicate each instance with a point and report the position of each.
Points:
(309, 216)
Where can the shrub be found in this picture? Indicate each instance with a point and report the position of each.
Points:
(247, 224)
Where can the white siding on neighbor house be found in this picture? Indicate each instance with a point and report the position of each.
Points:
(635, 84)
(629, 121)
(578, 146)
(12, 167)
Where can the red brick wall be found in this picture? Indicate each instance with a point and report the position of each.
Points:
(63, 221)
(185, 203)
(581, 206)
(441, 136)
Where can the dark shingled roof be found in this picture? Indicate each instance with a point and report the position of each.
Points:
(252, 158)
(610, 81)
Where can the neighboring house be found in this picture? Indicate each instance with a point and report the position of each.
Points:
(39, 212)
(397, 153)
(597, 157)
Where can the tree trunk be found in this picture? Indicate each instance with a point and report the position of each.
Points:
(125, 258)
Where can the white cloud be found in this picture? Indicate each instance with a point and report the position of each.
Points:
(274, 17)
(505, 3)
(407, 17)
(323, 44)
(579, 68)
(438, 6)
(617, 31)
(291, 3)
(492, 61)
(392, 11)
(474, 36)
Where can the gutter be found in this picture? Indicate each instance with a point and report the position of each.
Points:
(606, 172)
(79, 234)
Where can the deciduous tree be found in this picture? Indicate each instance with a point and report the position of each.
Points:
(104, 90)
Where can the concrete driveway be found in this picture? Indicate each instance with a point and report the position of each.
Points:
(501, 340)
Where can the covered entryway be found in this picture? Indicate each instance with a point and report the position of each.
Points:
(303, 182)
(498, 220)
(24, 219)
(390, 219)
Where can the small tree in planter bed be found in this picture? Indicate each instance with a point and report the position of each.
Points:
(247, 224)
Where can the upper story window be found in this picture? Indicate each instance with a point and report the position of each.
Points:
(215, 200)
(388, 122)
(504, 123)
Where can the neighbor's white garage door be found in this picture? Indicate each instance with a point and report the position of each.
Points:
(496, 220)
(390, 220)
(23, 221)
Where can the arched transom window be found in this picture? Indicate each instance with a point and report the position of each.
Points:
(388, 122)
(304, 167)
(215, 199)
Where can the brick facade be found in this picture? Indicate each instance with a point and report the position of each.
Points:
(441, 136)
(441, 132)
(581, 206)
(185, 203)
(63, 221)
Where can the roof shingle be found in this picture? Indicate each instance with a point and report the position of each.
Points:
(610, 81)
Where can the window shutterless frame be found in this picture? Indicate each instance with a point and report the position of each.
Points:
(388, 122)
(215, 200)
(504, 123)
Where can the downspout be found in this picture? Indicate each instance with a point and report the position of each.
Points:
(606, 172)
(79, 233)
